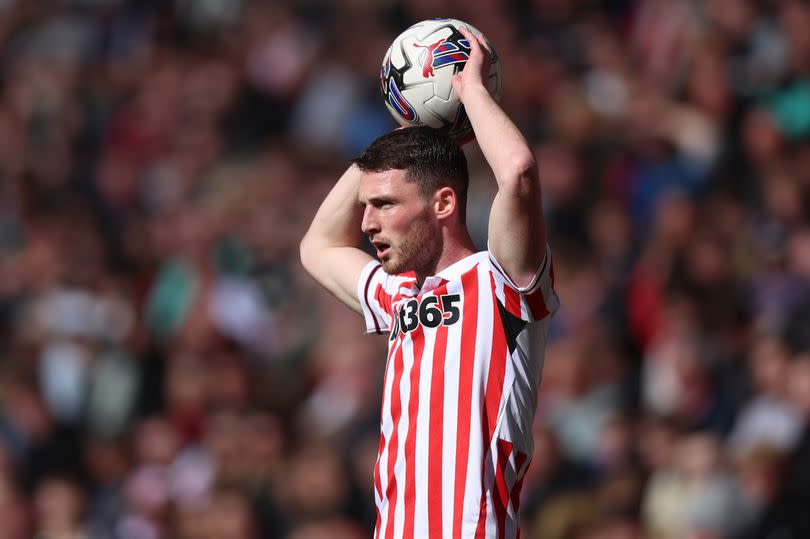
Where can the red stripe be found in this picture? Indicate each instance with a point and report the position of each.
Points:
(512, 301)
(383, 297)
(520, 459)
(537, 304)
(480, 530)
(377, 480)
(418, 339)
(469, 329)
(497, 371)
(500, 498)
(435, 433)
(494, 390)
(396, 414)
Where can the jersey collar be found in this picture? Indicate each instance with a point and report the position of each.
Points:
(452, 272)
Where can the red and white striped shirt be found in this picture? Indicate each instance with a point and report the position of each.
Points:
(459, 396)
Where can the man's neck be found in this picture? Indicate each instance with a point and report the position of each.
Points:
(453, 250)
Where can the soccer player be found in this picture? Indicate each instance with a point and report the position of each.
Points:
(460, 387)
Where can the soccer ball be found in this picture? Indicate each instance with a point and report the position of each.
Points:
(416, 74)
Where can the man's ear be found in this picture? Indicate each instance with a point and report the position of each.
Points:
(444, 202)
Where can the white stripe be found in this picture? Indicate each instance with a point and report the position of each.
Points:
(402, 434)
(450, 418)
(422, 441)
(367, 301)
(520, 396)
(491, 525)
(510, 477)
(525, 311)
(499, 293)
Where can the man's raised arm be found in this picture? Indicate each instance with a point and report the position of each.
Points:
(330, 250)
(517, 232)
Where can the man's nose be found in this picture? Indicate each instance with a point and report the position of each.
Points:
(370, 223)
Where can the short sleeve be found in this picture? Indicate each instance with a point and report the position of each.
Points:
(374, 299)
(533, 302)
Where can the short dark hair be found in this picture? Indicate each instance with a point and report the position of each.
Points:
(430, 157)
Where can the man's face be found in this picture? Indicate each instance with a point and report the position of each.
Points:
(398, 221)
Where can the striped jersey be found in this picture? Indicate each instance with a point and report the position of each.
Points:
(459, 396)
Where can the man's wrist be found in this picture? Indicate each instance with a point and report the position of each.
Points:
(476, 91)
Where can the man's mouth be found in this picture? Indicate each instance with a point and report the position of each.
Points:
(382, 248)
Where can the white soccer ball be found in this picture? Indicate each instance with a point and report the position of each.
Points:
(416, 75)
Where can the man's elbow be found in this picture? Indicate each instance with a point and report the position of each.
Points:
(524, 163)
(307, 251)
(523, 177)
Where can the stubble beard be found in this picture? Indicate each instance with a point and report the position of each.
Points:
(417, 251)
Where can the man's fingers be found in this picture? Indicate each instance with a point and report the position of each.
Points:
(484, 44)
(471, 38)
(477, 43)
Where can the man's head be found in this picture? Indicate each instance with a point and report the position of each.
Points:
(415, 181)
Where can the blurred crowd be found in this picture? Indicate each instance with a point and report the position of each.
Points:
(167, 371)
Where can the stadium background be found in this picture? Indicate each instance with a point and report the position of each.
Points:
(167, 371)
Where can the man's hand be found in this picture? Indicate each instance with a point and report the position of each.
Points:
(476, 70)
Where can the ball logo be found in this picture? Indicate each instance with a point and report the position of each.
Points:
(426, 58)
(442, 53)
